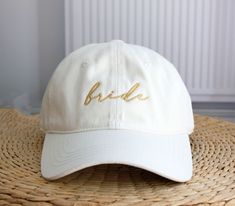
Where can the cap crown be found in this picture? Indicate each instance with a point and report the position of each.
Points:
(116, 85)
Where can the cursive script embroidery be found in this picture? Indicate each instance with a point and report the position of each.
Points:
(127, 96)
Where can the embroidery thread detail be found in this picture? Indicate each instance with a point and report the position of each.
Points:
(127, 96)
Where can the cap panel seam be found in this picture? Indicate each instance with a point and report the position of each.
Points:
(112, 106)
(121, 84)
(115, 44)
(146, 130)
(117, 81)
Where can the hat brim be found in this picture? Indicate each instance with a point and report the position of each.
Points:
(166, 155)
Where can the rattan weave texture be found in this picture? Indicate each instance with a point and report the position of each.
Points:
(213, 182)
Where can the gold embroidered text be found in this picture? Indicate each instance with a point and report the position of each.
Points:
(127, 96)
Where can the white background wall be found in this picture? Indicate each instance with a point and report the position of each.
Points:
(31, 46)
(197, 36)
(32, 40)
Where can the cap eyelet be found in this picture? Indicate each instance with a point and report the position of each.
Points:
(84, 65)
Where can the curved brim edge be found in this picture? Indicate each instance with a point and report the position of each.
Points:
(165, 155)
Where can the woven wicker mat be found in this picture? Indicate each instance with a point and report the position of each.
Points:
(213, 182)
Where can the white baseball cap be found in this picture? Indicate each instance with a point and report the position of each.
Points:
(116, 103)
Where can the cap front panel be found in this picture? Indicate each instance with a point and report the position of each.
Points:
(77, 95)
(160, 101)
(116, 86)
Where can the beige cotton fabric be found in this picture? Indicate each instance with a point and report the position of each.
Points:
(117, 66)
(116, 103)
